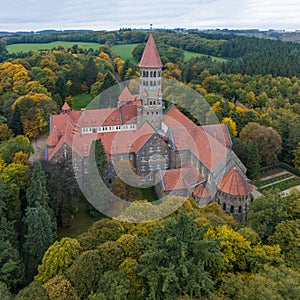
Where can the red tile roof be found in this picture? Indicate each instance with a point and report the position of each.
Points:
(200, 191)
(66, 106)
(180, 178)
(126, 96)
(174, 118)
(234, 183)
(126, 141)
(220, 132)
(150, 57)
(187, 135)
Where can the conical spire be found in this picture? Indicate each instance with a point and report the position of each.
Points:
(150, 58)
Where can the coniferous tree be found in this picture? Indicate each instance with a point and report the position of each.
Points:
(108, 81)
(37, 192)
(15, 122)
(100, 156)
(41, 231)
(178, 260)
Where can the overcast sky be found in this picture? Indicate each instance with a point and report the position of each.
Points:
(113, 14)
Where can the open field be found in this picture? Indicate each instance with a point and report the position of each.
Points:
(31, 47)
(124, 51)
(81, 101)
(188, 55)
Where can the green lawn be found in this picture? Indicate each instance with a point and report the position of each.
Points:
(81, 101)
(284, 185)
(271, 180)
(188, 55)
(31, 47)
(124, 51)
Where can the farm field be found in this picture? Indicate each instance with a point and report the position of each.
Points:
(14, 48)
(124, 51)
(188, 55)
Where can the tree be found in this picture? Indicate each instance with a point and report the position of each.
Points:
(178, 260)
(108, 82)
(100, 156)
(112, 285)
(37, 192)
(233, 247)
(265, 213)
(5, 132)
(4, 292)
(297, 157)
(287, 235)
(58, 258)
(63, 191)
(270, 283)
(268, 141)
(34, 291)
(85, 272)
(59, 287)
(40, 233)
(11, 268)
(231, 126)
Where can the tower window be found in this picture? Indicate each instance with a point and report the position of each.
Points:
(232, 209)
(154, 74)
(151, 74)
(240, 209)
(147, 74)
(224, 206)
(150, 102)
(154, 102)
(157, 112)
(150, 83)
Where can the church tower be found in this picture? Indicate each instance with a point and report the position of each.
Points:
(150, 85)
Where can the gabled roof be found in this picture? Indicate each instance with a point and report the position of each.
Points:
(126, 141)
(126, 96)
(66, 106)
(150, 57)
(234, 183)
(181, 178)
(175, 118)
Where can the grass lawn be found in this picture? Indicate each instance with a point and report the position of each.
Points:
(31, 47)
(81, 101)
(272, 180)
(284, 185)
(188, 55)
(81, 222)
(124, 51)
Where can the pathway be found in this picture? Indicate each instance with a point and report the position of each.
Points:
(274, 175)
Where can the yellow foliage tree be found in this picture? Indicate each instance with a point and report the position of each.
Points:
(231, 126)
(21, 158)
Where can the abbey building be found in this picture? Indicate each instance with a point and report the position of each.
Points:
(165, 147)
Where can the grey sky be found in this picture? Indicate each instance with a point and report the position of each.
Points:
(113, 14)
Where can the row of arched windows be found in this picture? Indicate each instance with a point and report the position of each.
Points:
(151, 74)
(152, 83)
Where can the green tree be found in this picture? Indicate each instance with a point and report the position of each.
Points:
(112, 285)
(297, 157)
(86, 272)
(100, 156)
(287, 235)
(40, 233)
(4, 292)
(108, 82)
(15, 122)
(37, 192)
(34, 291)
(178, 260)
(58, 258)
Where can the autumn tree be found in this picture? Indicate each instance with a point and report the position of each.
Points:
(59, 287)
(58, 258)
(267, 139)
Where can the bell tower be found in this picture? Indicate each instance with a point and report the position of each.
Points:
(150, 85)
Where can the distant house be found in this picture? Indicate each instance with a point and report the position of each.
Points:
(165, 147)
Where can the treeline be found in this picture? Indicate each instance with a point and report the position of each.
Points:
(247, 55)
(195, 253)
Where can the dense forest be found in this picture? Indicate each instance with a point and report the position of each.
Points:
(196, 253)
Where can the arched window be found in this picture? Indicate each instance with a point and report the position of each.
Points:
(147, 74)
(154, 74)
(232, 209)
(150, 83)
(224, 206)
(151, 74)
(144, 74)
(154, 103)
(159, 74)
(240, 209)
(150, 102)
